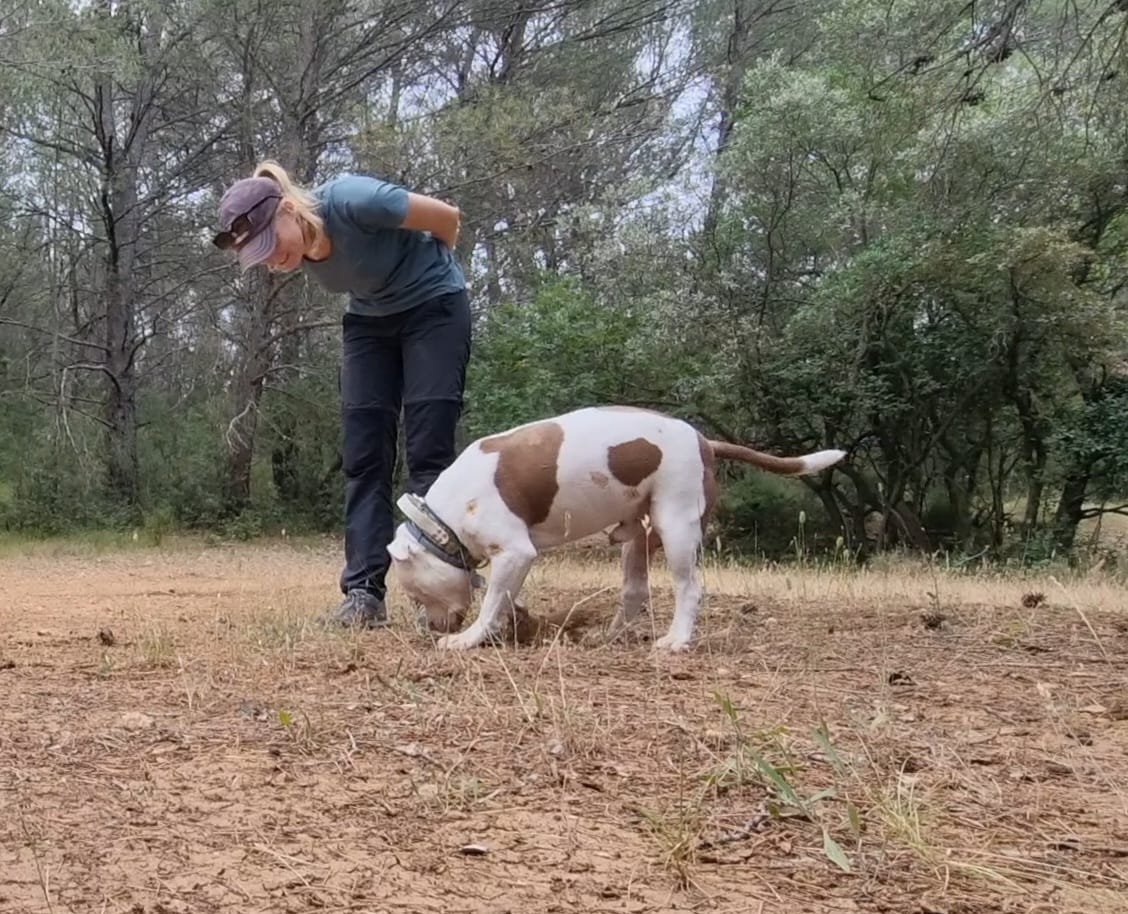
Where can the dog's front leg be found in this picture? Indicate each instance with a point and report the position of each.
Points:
(506, 579)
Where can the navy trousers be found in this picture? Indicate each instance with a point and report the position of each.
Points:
(415, 360)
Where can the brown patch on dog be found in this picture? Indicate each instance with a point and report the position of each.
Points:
(471, 506)
(633, 461)
(600, 479)
(708, 479)
(526, 469)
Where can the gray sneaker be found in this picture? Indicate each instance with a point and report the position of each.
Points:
(358, 609)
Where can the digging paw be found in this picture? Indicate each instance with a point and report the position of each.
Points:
(463, 641)
(672, 644)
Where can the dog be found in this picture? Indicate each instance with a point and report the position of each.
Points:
(508, 497)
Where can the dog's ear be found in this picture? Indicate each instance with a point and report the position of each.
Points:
(401, 549)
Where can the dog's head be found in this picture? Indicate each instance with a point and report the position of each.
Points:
(444, 592)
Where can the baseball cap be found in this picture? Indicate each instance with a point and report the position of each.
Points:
(247, 213)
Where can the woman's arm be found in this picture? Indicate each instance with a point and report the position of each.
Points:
(427, 214)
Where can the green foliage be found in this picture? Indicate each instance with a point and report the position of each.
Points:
(911, 243)
(300, 433)
(54, 489)
(1095, 436)
(181, 458)
(561, 351)
(764, 515)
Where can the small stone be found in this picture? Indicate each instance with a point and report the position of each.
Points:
(136, 720)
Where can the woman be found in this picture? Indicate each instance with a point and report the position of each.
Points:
(406, 337)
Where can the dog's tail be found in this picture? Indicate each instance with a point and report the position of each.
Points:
(784, 466)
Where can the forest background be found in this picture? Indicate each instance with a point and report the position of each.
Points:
(894, 227)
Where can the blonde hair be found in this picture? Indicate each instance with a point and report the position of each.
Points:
(304, 203)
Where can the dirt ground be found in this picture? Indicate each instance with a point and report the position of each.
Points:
(177, 738)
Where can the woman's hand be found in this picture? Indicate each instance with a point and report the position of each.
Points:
(426, 214)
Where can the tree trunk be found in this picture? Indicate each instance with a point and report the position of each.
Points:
(867, 500)
(246, 395)
(299, 143)
(121, 157)
(285, 456)
(853, 542)
(1034, 459)
(1069, 514)
(271, 301)
(730, 91)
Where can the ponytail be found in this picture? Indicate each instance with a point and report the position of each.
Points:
(304, 203)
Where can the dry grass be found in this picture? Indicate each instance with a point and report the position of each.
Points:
(898, 740)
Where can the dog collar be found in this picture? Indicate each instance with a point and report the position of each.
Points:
(435, 536)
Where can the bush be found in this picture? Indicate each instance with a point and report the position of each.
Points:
(56, 488)
(764, 515)
(562, 351)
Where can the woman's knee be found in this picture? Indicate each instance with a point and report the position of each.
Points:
(368, 442)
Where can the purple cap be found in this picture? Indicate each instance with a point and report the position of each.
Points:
(246, 215)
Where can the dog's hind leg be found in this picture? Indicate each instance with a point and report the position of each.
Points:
(681, 540)
(635, 563)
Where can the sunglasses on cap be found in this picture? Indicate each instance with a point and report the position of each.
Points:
(241, 227)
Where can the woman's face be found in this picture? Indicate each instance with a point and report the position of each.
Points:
(289, 245)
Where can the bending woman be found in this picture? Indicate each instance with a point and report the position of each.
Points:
(406, 337)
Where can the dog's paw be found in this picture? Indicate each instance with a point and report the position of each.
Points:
(459, 642)
(672, 644)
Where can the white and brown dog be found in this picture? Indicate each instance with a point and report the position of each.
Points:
(508, 497)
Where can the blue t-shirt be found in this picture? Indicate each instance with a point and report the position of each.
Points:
(383, 268)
